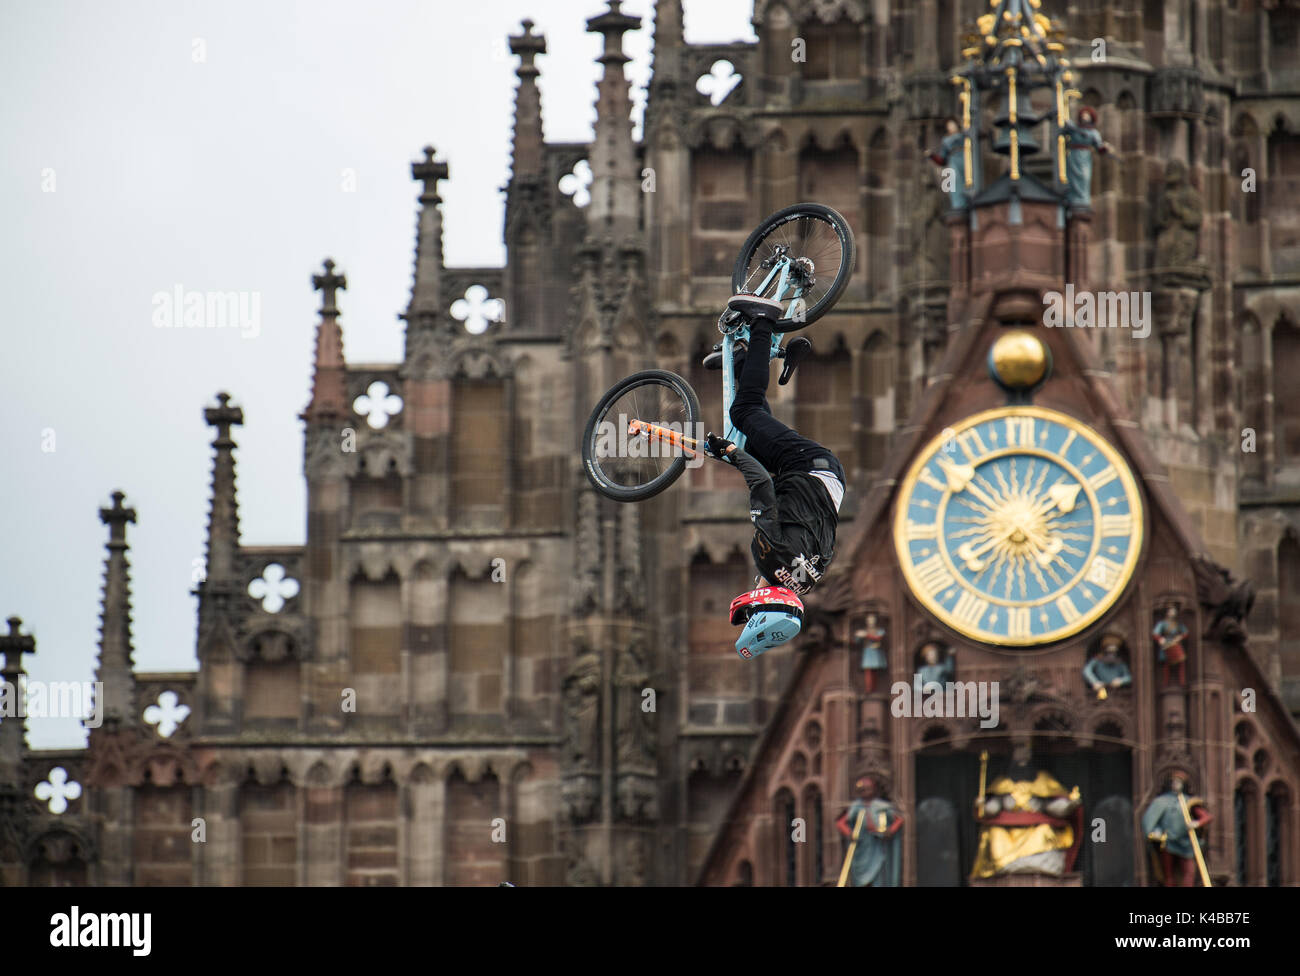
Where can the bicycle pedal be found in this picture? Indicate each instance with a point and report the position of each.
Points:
(730, 321)
(795, 352)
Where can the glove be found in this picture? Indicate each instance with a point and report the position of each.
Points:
(719, 447)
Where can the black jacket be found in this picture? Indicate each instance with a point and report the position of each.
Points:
(794, 521)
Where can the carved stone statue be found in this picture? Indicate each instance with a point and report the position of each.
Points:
(878, 856)
(1170, 637)
(1081, 139)
(635, 743)
(586, 597)
(1174, 826)
(928, 210)
(1230, 599)
(1178, 219)
(951, 156)
(868, 638)
(935, 664)
(582, 712)
(1106, 670)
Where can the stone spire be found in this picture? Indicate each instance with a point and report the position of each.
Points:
(527, 155)
(115, 667)
(615, 205)
(666, 55)
(329, 397)
(422, 312)
(13, 741)
(223, 521)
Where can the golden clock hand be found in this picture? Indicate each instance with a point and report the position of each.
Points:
(958, 475)
(969, 554)
(1064, 497)
(1049, 552)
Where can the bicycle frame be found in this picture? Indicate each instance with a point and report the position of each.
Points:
(780, 271)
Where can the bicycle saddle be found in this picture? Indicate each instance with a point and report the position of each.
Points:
(755, 307)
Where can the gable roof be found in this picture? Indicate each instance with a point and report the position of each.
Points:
(835, 593)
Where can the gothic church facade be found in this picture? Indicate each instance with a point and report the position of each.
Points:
(445, 683)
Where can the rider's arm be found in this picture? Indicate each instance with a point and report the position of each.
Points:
(762, 495)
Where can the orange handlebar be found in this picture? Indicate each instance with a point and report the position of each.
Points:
(654, 431)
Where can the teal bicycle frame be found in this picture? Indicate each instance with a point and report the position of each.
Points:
(781, 288)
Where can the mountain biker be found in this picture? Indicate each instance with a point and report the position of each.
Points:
(795, 507)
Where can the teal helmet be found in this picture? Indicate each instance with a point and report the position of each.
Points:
(766, 630)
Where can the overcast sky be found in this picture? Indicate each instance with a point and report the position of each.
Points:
(210, 146)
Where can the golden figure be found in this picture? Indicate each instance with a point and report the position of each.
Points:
(1027, 826)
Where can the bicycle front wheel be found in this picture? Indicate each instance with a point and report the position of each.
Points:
(630, 467)
(818, 242)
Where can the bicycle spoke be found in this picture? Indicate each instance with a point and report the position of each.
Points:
(651, 403)
(808, 237)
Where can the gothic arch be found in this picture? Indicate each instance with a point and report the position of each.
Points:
(1107, 722)
(59, 855)
(379, 453)
(826, 11)
(776, 140)
(470, 567)
(265, 769)
(723, 132)
(668, 346)
(476, 361)
(321, 775)
(371, 564)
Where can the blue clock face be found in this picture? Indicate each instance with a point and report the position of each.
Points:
(1019, 526)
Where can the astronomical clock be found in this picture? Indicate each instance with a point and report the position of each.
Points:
(1018, 526)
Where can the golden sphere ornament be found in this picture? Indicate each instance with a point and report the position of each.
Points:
(1019, 360)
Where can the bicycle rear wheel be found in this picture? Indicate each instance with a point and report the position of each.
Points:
(632, 468)
(818, 241)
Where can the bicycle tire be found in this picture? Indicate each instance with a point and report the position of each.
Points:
(596, 473)
(740, 277)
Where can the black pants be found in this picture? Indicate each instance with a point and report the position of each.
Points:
(767, 440)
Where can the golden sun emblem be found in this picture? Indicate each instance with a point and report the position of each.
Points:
(1017, 527)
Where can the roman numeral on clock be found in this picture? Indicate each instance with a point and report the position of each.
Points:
(928, 479)
(933, 575)
(972, 444)
(922, 530)
(1068, 610)
(1020, 431)
(1018, 622)
(1103, 478)
(1117, 525)
(969, 608)
(1104, 572)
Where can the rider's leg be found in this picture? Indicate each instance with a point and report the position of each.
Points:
(767, 440)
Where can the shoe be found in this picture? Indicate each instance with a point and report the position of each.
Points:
(796, 351)
(714, 359)
(754, 307)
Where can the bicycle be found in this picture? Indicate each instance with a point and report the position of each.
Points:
(637, 441)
